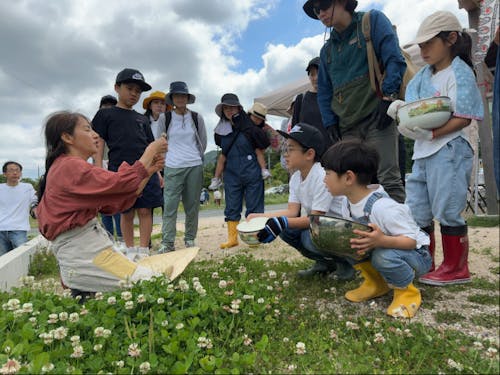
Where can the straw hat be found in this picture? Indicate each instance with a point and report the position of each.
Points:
(155, 95)
(258, 110)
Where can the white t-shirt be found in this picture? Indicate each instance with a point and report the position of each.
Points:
(393, 218)
(182, 148)
(312, 193)
(155, 124)
(445, 84)
(217, 194)
(15, 203)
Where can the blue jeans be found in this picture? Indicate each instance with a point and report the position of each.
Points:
(400, 267)
(10, 239)
(300, 239)
(437, 185)
(107, 222)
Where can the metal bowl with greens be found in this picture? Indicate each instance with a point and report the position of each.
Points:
(332, 235)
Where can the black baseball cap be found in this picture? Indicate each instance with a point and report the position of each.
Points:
(314, 62)
(108, 99)
(308, 136)
(128, 75)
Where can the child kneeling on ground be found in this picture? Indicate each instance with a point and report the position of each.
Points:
(396, 251)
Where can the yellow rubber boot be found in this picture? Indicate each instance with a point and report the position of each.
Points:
(405, 303)
(232, 235)
(373, 284)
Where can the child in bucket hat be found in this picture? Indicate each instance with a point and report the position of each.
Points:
(438, 184)
(257, 114)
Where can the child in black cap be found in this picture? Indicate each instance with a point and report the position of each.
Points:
(305, 145)
(127, 134)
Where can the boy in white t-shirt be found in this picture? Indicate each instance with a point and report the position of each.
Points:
(17, 200)
(396, 250)
(305, 145)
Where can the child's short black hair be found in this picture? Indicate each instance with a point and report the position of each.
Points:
(6, 164)
(352, 155)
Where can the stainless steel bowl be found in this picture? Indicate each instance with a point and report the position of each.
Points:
(248, 230)
(331, 235)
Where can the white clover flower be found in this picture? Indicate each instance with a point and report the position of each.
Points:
(28, 307)
(250, 281)
(272, 274)
(379, 338)
(60, 333)
(126, 296)
(98, 296)
(97, 347)
(183, 285)
(7, 349)
(13, 304)
(292, 367)
(302, 306)
(106, 333)
(229, 292)
(478, 345)
(74, 339)
(269, 287)
(195, 279)
(246, 340)
(77, 351)
(491, 352)
(129, 305)
(98, 332)
(215, 275)
(260, 300)
(134, 350)
(222, 284)
(111, 300)
(300, 348)
(46, 337)
(454, 365)
(368, 324)
(119, 364)
(277, 312)
(179, 326)
(63, 316)
(53, 318)
(144, 367)
(74, 317)
(10, 367)
(201, 291)
(141, 298)
(286, 339)
(84, 311)
(247, 296)
(160, 301)
(47, 367)
(18, 313)
(351, 325)
(170, 288)
(204, 342)
(285, 283)
(164, 323)
(407, 333)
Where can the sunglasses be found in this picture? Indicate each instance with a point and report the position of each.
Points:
(322, 5)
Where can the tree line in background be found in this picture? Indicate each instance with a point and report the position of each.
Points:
(279, 175)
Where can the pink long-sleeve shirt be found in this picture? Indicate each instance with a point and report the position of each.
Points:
(76, 191)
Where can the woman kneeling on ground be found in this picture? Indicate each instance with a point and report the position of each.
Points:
(73, 191)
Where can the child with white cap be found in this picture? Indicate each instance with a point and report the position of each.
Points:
(437, 186)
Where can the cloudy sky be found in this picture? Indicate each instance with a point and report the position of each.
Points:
(65, 54)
